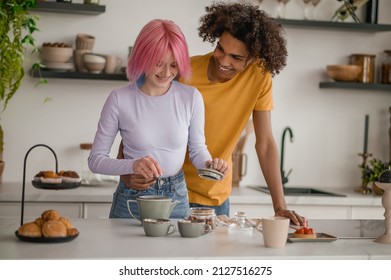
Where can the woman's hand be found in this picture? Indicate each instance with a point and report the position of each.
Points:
(219, 165)
(148, 167)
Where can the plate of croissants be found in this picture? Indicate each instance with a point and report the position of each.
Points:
(50, 227)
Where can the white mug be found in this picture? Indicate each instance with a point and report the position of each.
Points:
(274, 230)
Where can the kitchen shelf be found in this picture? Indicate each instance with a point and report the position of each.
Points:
(44, 73)
(62, 7)
(347, 26)
(352, 85)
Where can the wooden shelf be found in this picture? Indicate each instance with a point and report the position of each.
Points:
(44, 73)
(346, 26)
(63, 7)
(352, 85)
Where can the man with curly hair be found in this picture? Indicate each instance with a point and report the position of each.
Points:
(235, 81)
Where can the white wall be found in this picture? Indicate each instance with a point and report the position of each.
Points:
(328, 124)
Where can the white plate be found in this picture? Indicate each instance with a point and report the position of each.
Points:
(59, 66)
(210, 174)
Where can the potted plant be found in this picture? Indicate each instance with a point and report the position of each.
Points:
(371, 172)
(16, 29)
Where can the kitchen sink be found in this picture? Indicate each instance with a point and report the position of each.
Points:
(299, 191)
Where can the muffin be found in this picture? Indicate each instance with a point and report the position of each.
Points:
(69, 176)
(49, 176)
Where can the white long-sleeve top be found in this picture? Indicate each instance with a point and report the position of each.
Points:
(158, 126)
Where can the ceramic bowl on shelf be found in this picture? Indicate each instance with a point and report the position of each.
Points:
(95, 67)
(56, 54)
(94, 57)
(344, 72)
(94, 63)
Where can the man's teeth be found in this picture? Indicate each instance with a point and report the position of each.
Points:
(223, 68)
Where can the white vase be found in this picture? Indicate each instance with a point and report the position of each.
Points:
(386, 202)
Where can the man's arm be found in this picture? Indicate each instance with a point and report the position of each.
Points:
(134, 181)
(267, 153)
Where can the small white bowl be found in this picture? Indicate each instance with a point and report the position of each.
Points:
(94, 63)
(93, 58)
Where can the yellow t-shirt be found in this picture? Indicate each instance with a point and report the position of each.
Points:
(228, 107)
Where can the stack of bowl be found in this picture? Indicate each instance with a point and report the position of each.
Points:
(84, 44)
(57, 56)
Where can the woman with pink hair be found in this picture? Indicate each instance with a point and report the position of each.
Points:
(158, 119)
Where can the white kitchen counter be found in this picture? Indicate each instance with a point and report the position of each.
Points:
(125, 239)
(95, 201)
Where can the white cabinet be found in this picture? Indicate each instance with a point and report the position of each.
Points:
(367, 212)
(353, 206)
(322, 212)
(95, 202)
(71, 210)
(252, 210)
(309, 211)
(33, 210)
(96, 210)
(313, 211)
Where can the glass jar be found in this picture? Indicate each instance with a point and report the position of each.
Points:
(241, 223)
(87, 176)
(367, 62)
(208, 215)
(386, 68)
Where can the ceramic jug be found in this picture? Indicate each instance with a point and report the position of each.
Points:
(153, 207)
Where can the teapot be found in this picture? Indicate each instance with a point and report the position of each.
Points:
(153, 207)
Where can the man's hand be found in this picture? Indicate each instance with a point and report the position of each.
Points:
(293, 216)
(137, 181)
(219, 165)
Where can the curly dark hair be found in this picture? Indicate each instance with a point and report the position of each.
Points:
(262, 35)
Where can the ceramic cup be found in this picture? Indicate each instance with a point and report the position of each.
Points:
(85, 42)
(112, 63)
(275, 231)
(189, 228)
(158, 227)
(78, 57)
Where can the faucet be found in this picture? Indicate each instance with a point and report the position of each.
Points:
(284, 177)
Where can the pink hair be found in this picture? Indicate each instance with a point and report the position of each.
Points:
(155, 40)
